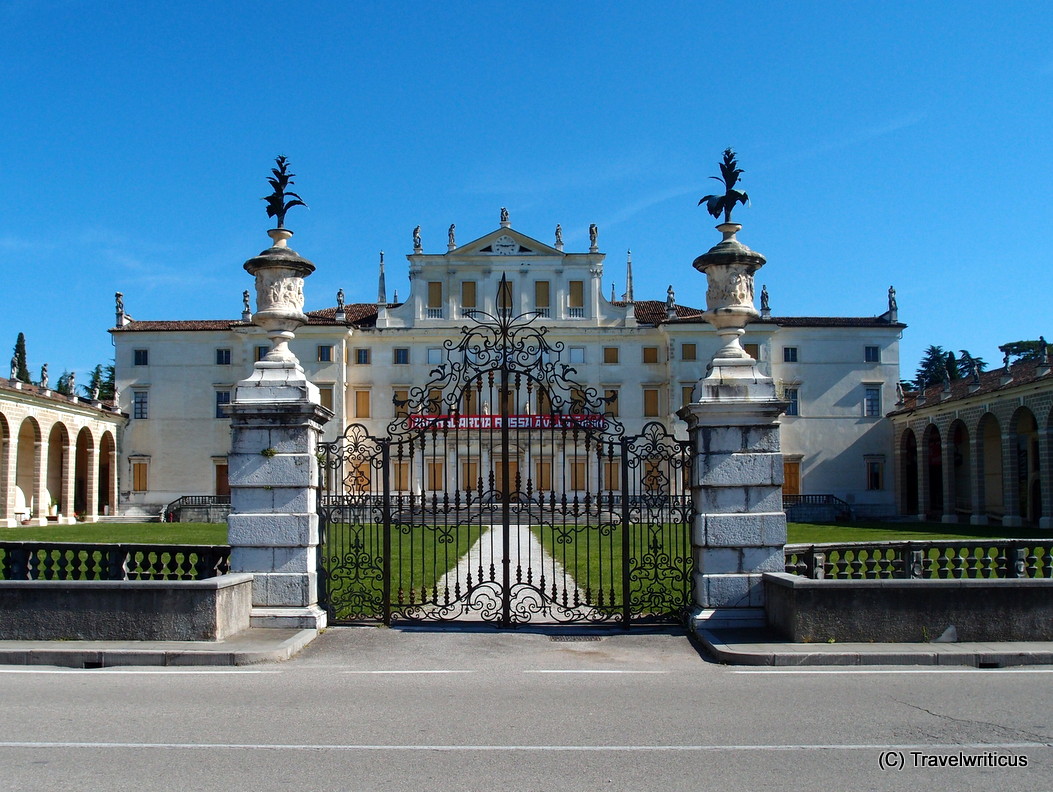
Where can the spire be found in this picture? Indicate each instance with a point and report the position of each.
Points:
(628, 296)
(612, 291)
(382, 292)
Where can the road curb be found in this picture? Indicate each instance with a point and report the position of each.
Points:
(763, 648)
(252, 646)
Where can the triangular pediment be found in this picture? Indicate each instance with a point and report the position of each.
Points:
(505, 242)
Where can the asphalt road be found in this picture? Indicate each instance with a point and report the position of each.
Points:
(378, 709)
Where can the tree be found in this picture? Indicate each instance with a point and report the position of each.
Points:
(21, 367)
(967, 362)
(102, 377)
(1022, 351)
(63, 384)
(932, 368)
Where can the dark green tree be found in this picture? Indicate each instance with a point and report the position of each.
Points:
(1023, 351)
(932, 367)
(21, 366)
(966, 362)
(102, 377)
(63, 384)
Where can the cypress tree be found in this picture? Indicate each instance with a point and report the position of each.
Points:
(21, 368)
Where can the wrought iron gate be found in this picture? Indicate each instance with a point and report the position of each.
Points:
(505, 491)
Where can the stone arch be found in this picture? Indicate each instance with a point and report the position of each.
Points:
(85, 473)
(1024, 468)
(55, 490)
(107, 465)
(961, 460)
(908, 445)
(932, 471)
(989, 464)
(27, 470)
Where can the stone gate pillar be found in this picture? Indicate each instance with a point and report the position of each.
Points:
(739, 529)
(273, 469)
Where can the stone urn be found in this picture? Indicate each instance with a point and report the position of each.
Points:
(279, 272)
(729, 268)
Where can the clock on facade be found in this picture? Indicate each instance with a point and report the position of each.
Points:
(505, 246)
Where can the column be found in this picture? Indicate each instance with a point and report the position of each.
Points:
(979, 495)
(1011, 481)
(950, 496)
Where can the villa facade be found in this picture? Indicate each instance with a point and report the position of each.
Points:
(838, 375)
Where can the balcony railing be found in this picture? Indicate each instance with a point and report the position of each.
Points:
(992, 558)
(434, 313)
(576, 313)
(543, 313)
(78, 561)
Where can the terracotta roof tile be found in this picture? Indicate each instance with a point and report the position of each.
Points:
(1024, 373)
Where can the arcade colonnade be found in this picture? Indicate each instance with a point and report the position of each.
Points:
(58, 457)
(979, 451)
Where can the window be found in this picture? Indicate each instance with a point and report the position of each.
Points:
(140, 404)
(753, 350)
(363, 357)
(875, 469)
(688, 352)
(261, 352)
(687, 394)
(610, 354)
(469, 474)
(871, 354)
(577, 354)
(610, 396)
(578, 480)
(544, 476)
(325, 353)
(140, 476)
(434, 300)
(400, 356)
(222, 357)
(612, 474)
(401, 401)
(400, 471)
(435, 476)
(222, 400)
(872, 401)
(791, 396)
(140, 357)
(504, 295)
(542, 297)
(434, 356)
(361, 404)
(650, 354)
(650, 402)
(468, 294)
(576, 299)
(789, 354)
(325, 396)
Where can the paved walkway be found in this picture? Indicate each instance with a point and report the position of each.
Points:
(531, 568)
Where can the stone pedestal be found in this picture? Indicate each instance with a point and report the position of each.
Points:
(740, 527)
(273, 471)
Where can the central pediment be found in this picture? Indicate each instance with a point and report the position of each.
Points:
(505, 242)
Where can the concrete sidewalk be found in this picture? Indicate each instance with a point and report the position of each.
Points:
(254, 645)
(762, 647)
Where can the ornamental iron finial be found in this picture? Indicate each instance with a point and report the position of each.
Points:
(277, 205)
(729, 176)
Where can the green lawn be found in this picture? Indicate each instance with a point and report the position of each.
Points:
(120, 533)
(420, 557)
(815, 533)
(659, 559)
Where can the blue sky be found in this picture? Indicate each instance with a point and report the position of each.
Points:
(900, 143)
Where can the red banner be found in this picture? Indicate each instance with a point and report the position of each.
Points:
(514, 421)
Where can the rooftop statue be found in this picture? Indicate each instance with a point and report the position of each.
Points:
(729, 176)
(277, 205)
(416, 239)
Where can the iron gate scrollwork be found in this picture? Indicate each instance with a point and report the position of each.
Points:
(505, 491)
